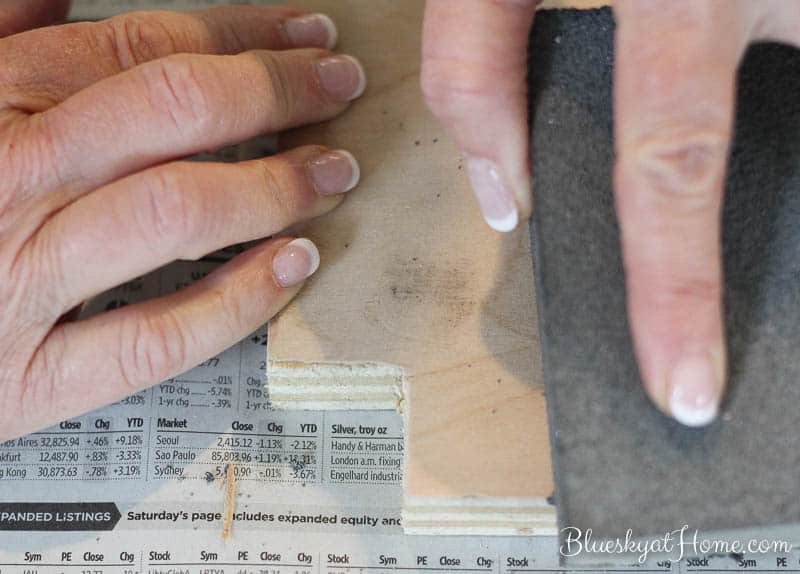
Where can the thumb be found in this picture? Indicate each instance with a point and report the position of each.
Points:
(474, 78)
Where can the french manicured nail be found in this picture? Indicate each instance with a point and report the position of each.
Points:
(694, 391)
(312, 30)
(334, 172)
(342, 77)
(295, 262)
(494, 196)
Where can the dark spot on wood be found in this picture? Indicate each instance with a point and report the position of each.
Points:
(433, 299)
(416, 142)
(435, 140)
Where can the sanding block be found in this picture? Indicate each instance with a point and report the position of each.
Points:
(619, 463)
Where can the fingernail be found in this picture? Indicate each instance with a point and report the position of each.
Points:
(694, 391)
(494, 196)
(295, 262)
(334, 172)
(312, 30)
(342, 77)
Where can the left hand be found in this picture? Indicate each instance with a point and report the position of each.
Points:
(95, 118)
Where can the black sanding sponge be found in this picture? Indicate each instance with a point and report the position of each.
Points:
(619, 463)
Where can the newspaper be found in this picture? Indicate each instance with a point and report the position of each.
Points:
(146, 485)
(140, 486)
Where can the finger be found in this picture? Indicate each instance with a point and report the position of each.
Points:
(93, 362)
(182, 210)
(182, 105)
(20, 15)
(776, 21)
(474, 77)
(674, 104)
(46, 66)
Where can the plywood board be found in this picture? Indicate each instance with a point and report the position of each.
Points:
(414, 287)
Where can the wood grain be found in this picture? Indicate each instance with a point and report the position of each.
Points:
(411, 277)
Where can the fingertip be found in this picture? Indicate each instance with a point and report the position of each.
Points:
(687, 386)
(695, 386)
(312, 30)
(334, 172)
(295, 262)
(361, 86)
(333, 32)
(506, 224)
(493, 193)
(342, 77)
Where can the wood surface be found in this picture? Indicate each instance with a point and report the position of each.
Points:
(413, 281)
(464, 516)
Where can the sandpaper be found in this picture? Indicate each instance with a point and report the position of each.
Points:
(619, 463)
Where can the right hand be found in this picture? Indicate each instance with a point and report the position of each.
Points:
(675, 75)
(94, 118)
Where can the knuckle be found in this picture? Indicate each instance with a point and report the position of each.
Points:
(31, 158)
(279, 85)
(684, 164)
(136, 38)
(11, 184)
(225, 35)
(8, 77)
(233, 311)
(43, 383)
(150, 349)
(169, 215)
(281, 204)
(447, 83)
(180, 89)
(41, 263)
(677, 291)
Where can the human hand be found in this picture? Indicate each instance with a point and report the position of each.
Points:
(676, 63)
(93, 120)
